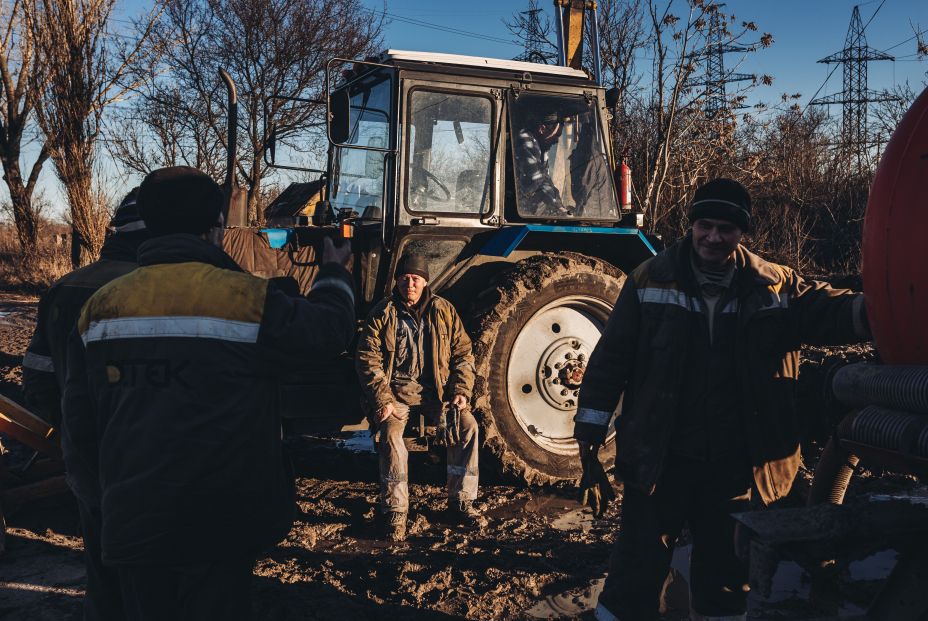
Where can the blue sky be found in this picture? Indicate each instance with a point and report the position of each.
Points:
(804, 31)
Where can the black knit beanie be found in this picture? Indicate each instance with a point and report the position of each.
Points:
(179, 199)
(412, 264)
(126, 218)
(722, 199)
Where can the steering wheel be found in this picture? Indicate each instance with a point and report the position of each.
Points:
(429, 192)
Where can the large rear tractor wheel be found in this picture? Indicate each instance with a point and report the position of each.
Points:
(533, 337)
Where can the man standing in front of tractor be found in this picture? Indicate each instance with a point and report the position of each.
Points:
(704, 344)
(169, 411)
(414, 357)
(45, 371)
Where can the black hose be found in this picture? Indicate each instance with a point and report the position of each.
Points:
(879, 427)
(832, 474)
(902, 388)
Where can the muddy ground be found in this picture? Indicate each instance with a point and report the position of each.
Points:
(541, 555)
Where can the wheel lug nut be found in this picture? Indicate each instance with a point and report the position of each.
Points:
(557, 365)
(581, 357)
(556, 380)
(577, 393)
(569, 356)
(564, 393)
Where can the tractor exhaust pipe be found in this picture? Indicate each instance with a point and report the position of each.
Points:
(234, 210)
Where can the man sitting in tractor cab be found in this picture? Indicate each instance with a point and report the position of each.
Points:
(531, 150)
(414, 357)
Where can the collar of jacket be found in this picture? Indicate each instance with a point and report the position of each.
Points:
(184, 248)
(417, 311)
(673, 265)
(123, 246)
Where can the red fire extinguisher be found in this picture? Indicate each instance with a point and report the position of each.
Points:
(625, 185)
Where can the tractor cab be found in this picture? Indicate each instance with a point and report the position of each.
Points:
(456, 149)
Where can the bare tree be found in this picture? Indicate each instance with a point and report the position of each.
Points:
(83, 67)
(673, 144)
(271, 48)
(154, 131)
(18, 64)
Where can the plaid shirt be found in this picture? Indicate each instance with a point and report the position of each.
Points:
(536, 189)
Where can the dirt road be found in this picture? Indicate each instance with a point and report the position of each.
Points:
(541, 556)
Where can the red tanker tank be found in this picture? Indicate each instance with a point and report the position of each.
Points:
(895, 248)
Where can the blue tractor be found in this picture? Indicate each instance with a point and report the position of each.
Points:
(501, 174)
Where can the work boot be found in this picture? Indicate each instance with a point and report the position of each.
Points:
(395, 525)
(463, 512)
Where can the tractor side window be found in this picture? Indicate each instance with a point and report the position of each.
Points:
(449, 168)
(560, 162)
(439, 252)
(358, 174)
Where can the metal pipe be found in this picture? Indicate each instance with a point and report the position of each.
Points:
(559, 19)
(597, 60)
(232, 129)
(895, 387)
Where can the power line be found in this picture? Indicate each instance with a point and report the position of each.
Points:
(835, 68)
(715, 78)
(855, 96)
(913, 37)
(439, 27)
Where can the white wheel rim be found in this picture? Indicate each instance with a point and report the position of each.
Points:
(545, 365)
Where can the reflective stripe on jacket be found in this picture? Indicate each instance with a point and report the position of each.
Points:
(644, 353)
(452, 356)
(170, 411)
(44, 364)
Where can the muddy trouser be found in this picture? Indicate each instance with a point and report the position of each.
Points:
(702, 495)
(195, 592)
(394, 458)
(103, 599)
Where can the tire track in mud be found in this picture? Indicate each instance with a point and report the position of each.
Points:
(442, 571)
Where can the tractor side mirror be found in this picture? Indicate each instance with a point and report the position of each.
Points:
(339, 117)
(612, 97)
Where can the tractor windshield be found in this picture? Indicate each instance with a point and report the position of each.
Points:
(560, 162)
(357, 179)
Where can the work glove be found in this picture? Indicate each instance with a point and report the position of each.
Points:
(595, 489)
(449, 425)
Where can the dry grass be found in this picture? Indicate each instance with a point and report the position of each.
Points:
(34, 271)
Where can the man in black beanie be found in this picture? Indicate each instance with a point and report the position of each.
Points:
(45, 370)
(169, 412)
(704, 345)
(414, 357)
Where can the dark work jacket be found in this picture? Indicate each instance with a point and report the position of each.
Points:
(710, 426)
(170, 420)
(44, 362)
(645, 347)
